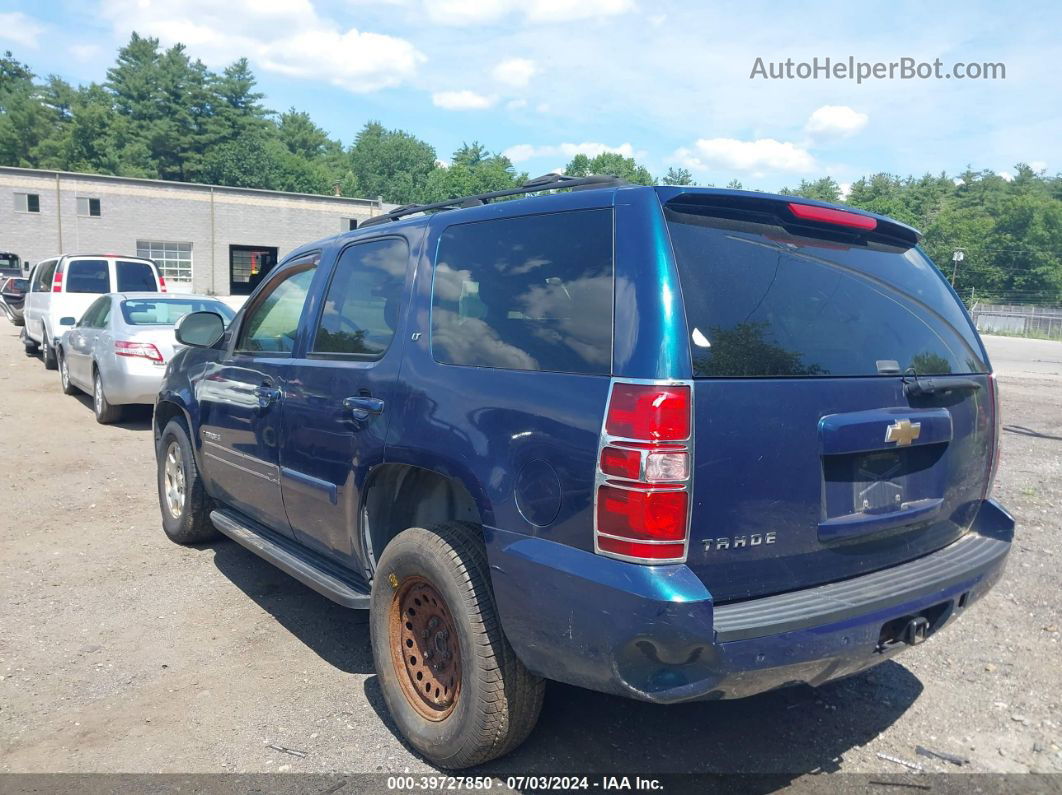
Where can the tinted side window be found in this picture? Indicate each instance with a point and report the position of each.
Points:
(42, 279)
(88, 320)
(135, 277)
(88, 276)
(526, 293)
(272, 323)
(361, 309)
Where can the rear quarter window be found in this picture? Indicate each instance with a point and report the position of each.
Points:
(526, 293)
(761, 302)
(135, 277)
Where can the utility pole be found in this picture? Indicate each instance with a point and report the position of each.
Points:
(956, 257)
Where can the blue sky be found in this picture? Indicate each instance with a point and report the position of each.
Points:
(666, 82)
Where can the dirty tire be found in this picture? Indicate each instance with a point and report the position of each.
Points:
(498, 699)
(48, 354)
(186, 520)
(101, 407)
(64, 375)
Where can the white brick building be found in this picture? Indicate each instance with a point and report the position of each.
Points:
(206, 238)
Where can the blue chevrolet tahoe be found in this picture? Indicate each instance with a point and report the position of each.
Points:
(663, 442)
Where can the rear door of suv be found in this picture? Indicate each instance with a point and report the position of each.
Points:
(844, 411)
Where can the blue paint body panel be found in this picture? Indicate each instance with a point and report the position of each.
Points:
(798, 459)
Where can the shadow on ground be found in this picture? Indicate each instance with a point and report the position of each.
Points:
(134, 418)
(338, 635)
(788, 733)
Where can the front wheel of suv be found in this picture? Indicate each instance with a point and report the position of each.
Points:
(450, 678)
(182, 498)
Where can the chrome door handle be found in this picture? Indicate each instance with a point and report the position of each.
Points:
(360, 407)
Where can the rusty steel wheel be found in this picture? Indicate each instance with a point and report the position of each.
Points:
(425, 649)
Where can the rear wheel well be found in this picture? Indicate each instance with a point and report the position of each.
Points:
(164, 412)
(402, 496)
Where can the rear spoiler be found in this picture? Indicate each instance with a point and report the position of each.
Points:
(798, 216)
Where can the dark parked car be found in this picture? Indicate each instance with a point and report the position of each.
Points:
(668, 443)
(13, 297)
(10, 265)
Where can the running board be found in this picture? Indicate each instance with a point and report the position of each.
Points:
(305, 566)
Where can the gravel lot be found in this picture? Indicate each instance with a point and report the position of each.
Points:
(121, 652)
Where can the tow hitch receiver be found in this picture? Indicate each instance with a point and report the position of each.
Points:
(916, 631)
(910, 630)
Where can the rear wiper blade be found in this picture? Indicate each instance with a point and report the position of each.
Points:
(914, 386)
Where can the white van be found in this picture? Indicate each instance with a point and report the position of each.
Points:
(65, 286)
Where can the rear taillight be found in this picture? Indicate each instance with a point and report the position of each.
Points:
(138, 350)
(162, 283)
(57, 282)
(827, 215)
(993, 402)
(642, 500)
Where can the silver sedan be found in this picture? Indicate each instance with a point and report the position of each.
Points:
(117, 351)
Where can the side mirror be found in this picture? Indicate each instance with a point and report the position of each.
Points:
(67, 321)
(200, 329)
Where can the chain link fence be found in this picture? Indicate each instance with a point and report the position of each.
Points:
(1019, 320)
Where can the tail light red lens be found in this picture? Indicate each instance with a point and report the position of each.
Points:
(648, 412)
(621, 463)
(647, 552)
(643, 484)
(648, 515)
(827, 215)
(57, 282)
(139, 350)
(162, 283)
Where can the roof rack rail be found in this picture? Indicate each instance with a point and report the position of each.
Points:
(545, 182)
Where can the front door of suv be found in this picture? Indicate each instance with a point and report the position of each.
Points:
(240, 400)
(336, 404)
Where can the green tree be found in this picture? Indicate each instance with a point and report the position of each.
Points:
(611, 164)
(677, 176)
(472, 170)
(391, 163)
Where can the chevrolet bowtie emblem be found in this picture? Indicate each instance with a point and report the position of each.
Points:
(903, 432)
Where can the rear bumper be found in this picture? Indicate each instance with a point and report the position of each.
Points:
(124, 387)
(653, 633)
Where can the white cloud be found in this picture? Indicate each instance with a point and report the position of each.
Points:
(460, 100)
(522, 152)
(20, 28)
(756, 157)
(84, 52)
(845, 188)
(516, 104)
(282, 36)
(1037, 165)
(486, 12)
(515, 71)
(1006, 175)
(567, 10)
(836, 120)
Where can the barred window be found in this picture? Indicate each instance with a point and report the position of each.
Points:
(174, 260)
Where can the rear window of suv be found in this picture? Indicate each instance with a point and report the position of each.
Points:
(88, 276)
(135, 277)
(761, 302)
(526, 293)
